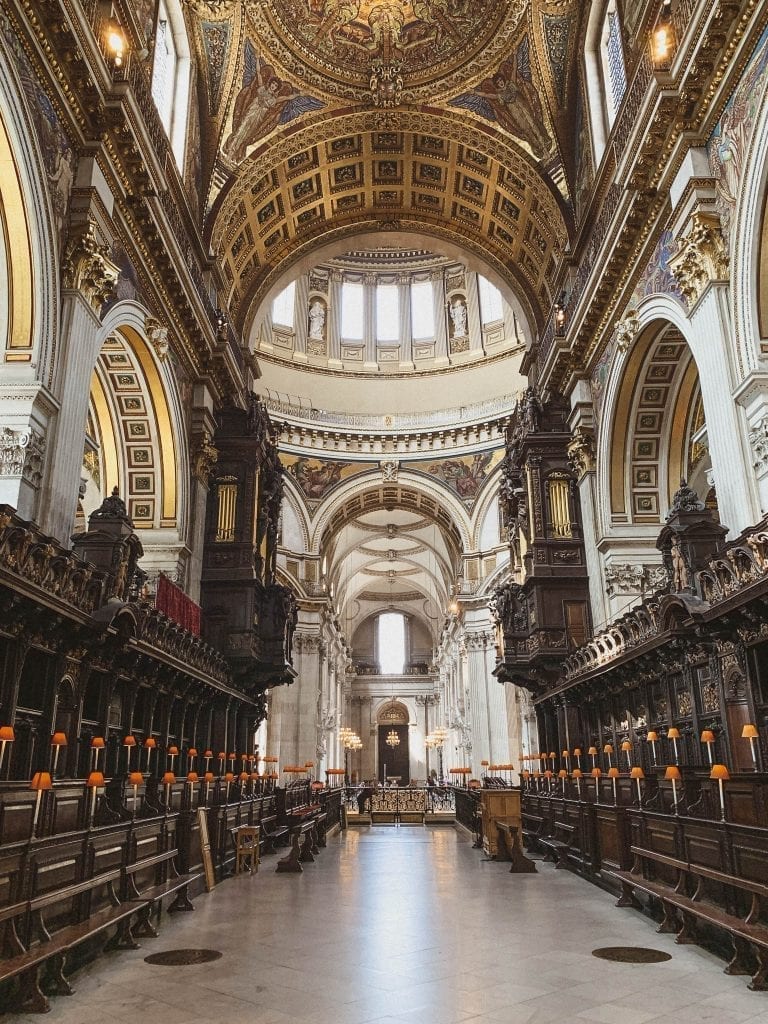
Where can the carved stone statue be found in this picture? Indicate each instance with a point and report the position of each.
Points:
(317, 320)
(459, 318)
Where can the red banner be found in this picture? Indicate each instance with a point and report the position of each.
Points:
(173, 602)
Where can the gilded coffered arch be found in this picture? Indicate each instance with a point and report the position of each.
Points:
(428, 174)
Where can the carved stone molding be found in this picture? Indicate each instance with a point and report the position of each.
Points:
(87, 267)
(386, 83)
(701, 257)
(581, 452)
(634, 579)
(626, 330)
(157, 335)
(204, 457)
(758, 439)
(389, 470)
(22, 453)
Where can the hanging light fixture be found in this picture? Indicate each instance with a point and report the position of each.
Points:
(393, 740)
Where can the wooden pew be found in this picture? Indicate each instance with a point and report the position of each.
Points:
(292, 862)
(559, 844)
(510, 848)
(273, 834)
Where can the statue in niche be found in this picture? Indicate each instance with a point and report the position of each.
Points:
(458, 312)
(317, 320)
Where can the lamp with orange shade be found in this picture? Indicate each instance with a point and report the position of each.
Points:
(192, 778)
(749, 732)
(577, 774)
(41, 781)
(721, 773)
(577, 755)
(626, 746)
(173, 753)
(7, 735)
(596, 773)
(97, 745)
(207, 755)
(168, 780)
(593, 754)
(608, 749)
(613, 774)
(674, 735)
(552, 756)
(567, 759)
(222, 756)
(232, 758)
(135, 779)
(243, 779)
(150, 743)
(191, 757)
(653, 738)
(129, 742)
(228, 778)
(637, 773)
(58, 740)
(672, 774)
(94, 782)
(708, 737)
(208, 777)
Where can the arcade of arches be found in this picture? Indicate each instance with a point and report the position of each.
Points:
(383, 405)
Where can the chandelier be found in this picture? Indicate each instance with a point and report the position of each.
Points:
(393, 740)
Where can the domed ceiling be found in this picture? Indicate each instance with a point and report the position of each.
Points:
(457, 122)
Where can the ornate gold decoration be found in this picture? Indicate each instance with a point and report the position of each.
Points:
(157, 335)
(386, 83)
(87, 267)
(204, 457)
(626, 330)
(581, 451)
(701, 257)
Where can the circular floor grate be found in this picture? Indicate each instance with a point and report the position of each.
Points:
(182, 957)
(631, 955)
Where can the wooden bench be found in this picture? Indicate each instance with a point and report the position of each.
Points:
(167, 883)
(559, 844)
(46, 952)
(299, 834)
(693, 899)
(510, 848)
(273, 834)
(534, 826)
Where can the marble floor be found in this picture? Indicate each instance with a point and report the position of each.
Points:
(407, 926)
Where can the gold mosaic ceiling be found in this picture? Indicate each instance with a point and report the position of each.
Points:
(435, 118)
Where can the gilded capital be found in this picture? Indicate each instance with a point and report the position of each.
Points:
(581, 452)
(157, 335)
(626, 330)
(701, 257)
(204, 458)
(87, 266)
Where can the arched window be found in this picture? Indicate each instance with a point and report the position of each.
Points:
(170, 75)
(352, 310)
(390, 636)
(491, 304)
(422, 310)
(283, 308)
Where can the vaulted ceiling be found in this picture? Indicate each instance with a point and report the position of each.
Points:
(450, 119)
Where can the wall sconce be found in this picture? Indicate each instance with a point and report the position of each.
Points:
(663, 37)
(116, 44)
(559, 321)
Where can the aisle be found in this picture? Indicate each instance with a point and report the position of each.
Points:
(398, 925)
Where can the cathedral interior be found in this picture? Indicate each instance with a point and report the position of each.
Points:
(384, 443)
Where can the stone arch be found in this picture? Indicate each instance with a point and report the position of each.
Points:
(394, 712)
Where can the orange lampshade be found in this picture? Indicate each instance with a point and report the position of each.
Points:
(135, 778)
(129, 741)
(749, 732)
(173, 751)
(97, 742)
(59, 739)
(233, 757)
(7, 734)
(552, 753)
(169, 778)
(191, 752)
(207, 753)
(228, 777)
(608, 748)
(192, 777)
(566, 753)
(244, 776)
(209, 776)
(150, 742)
(309, 764)
(41, 780)
(577, 773)
(719, 771)
(672, 772)
(637, 772)
(222, 756)
(485, 763)
(542, 757)
(577, 751)
(548, 774)
(597, 772)
(562, 774)
(673, 733)
(94, 780)
(652, 736)
(626, 745)
(613, 773)
(707, 736)
(255, 776)
(592, 750)
(526, 774)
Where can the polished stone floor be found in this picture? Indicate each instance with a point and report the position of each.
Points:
(407, 926)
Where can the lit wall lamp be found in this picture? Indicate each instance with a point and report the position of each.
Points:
(560, 316)
(116, 43)
(663, 37)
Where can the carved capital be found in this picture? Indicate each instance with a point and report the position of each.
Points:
(389, 470)
(626, 330)
(204, 458)
(157, 335)
(21, 454)
(581, 452)
(758, 439)
(701, 257)
(87, 267)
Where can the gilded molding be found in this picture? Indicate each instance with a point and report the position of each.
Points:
(87, 266)
(701, 257)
